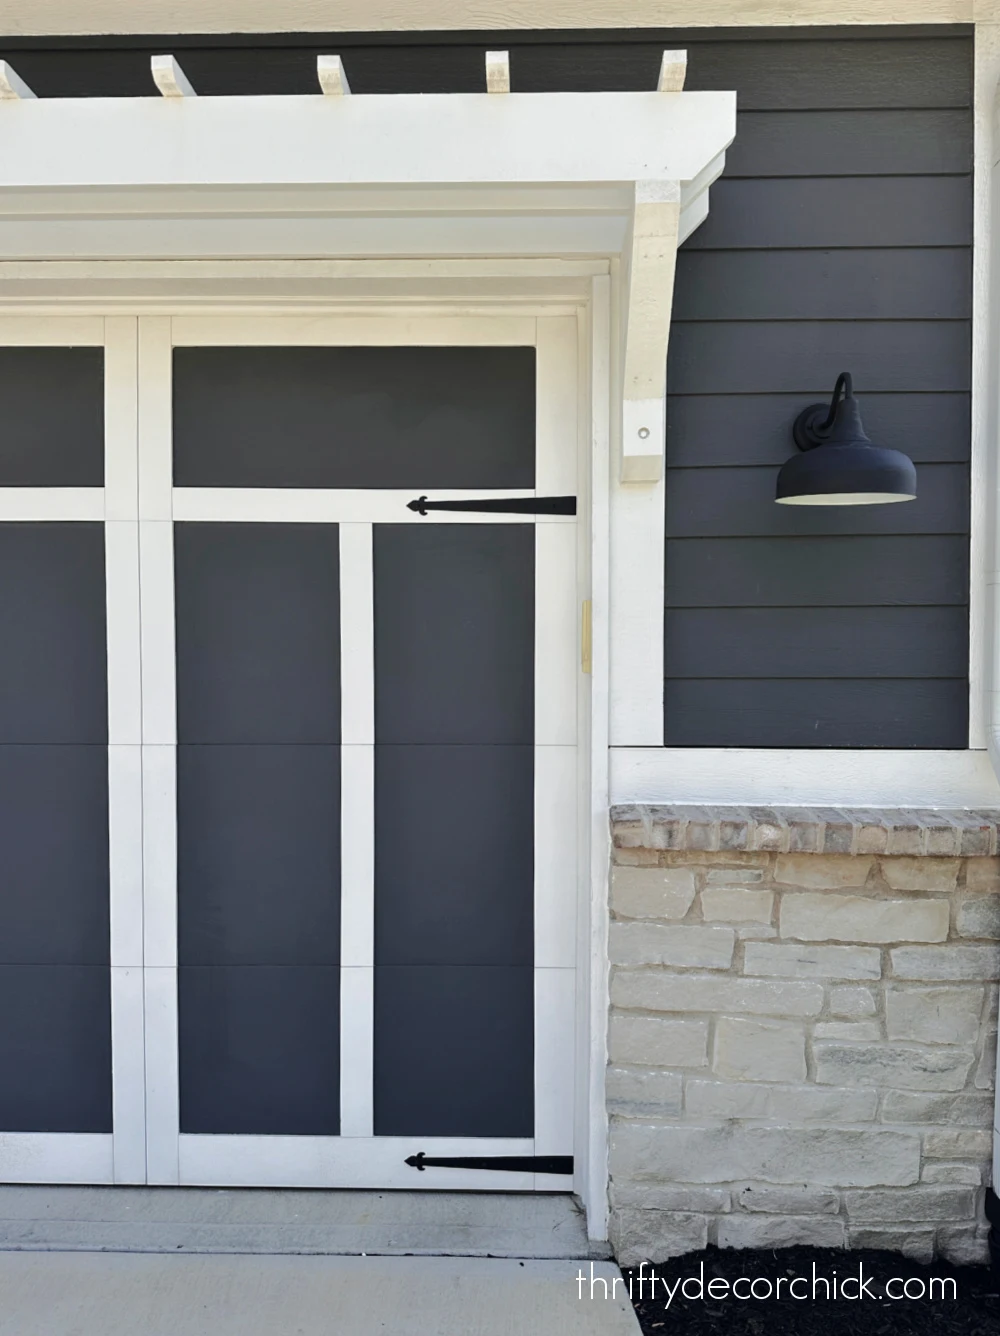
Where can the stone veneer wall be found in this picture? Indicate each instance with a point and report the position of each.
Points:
(802, 1033)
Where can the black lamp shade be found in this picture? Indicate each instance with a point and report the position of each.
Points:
(839, 465)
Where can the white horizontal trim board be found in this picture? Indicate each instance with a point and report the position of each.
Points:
(347, 1162)
(43, 331)
(56, 1157)
(353, 331)
(70, 17)
(803, 778)
(52, 503)
(372, 506)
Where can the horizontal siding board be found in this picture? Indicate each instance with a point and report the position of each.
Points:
(891, 571)
(814, 642)
(708, 431)
(871, 284)
(834, 211)
(794, 74)
(733, 357)
(851, 143)
(828, 712)
(730, 503)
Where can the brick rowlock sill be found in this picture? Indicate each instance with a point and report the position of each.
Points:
(803, 1029)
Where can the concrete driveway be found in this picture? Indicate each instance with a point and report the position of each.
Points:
(150, 1294)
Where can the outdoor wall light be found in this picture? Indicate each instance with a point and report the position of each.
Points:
(839, 465)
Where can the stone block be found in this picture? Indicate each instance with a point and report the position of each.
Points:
(654, 1236)
(853, 1030)
(959, 1143)
(979, 917)
(656, 990)
(794, 960)
(727, 876)
(964, 1245)
(964, 1110)
(643, 1091)
(652, 1041)
(852, 1002)
(987, 1066)
(982, 874)
(826, 871)
(691, 946)
(812, 1103)
(933, 1015)
(859, 918)
(956, 1175)
(652, 893)
(915, 1244)
(725, 1099)
(946, 962)
(826, 1156)
(907, 1067)
(921, 874)
(755, 1050)
(791, 1200)
(920, 1204)
(780, 1231)
(736, 904)
(669, 1197)
(748, 931)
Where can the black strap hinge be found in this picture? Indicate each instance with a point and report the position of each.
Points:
(501, 505)
(513, 1164)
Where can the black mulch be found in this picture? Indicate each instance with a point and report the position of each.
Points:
(974, 1309)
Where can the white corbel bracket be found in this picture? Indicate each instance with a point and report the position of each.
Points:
(647, 296)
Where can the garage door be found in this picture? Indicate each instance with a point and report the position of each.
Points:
(292, 730)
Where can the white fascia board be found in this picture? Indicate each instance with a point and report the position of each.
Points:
(404, 139)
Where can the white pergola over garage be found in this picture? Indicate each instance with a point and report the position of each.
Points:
(393, 209)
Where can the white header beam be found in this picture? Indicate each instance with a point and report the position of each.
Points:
(403, 139)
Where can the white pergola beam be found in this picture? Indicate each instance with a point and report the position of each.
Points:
(332, 76)
(12, 86)
(673, 71)
(169, 78)
(497, 72)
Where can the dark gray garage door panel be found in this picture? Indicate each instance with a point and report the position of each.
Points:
(454, 855)
(52, 401)
(454, 633)
(260, 1049)
(259, 855)
(454, 1051)
(354, 417)
(454, 828)
(258, 632)
(258, 655)
(55, 1048)
(53, 668)
(54, 842)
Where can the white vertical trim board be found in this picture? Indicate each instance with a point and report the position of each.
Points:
(555, 1010)
(128, 1063)
(121, 425)
(155, 417)
(357, 805)
(592, 991)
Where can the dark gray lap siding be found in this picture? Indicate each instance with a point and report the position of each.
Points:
(839, 239)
